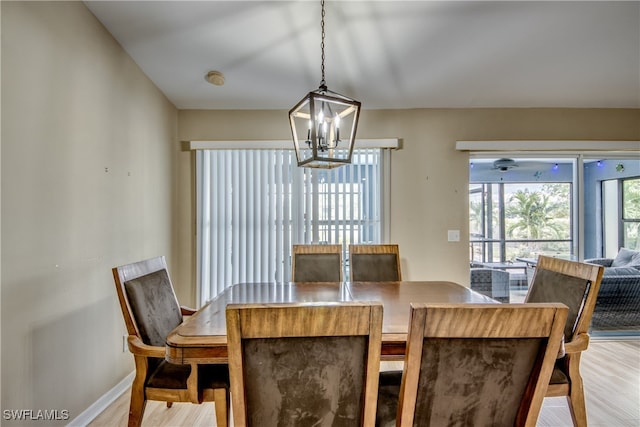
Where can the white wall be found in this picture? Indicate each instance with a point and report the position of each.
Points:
(87, 146)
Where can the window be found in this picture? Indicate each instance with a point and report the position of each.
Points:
(621, 211)
(520, 211)
(254, 204)
(612, 205)
(577, 206)
(631, 213)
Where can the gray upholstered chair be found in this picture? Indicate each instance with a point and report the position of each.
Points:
(151, 311)
(491, 282)
(316, 263)
(576, 285)
(304, 364)
(473, 365)
(374, 263)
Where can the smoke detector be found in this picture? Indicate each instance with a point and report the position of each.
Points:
(215, 78)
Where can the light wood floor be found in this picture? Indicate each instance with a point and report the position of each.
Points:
(610, 369)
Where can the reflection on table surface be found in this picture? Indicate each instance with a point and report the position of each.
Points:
(202, 338)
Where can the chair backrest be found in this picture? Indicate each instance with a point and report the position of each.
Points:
(374, 263)
(304, 364)
(574, 284)
(478, 364)
(316, 263)
(147, 299)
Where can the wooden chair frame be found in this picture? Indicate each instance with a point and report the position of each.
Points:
(483, 321)
(314, 249)
(372, 249)
(573, 348)
(303, 320)
(140, 393)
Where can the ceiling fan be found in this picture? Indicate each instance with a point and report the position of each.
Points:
(504, 164)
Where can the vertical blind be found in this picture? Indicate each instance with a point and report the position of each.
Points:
(253, 205)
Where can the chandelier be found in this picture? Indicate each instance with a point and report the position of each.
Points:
(323, 124)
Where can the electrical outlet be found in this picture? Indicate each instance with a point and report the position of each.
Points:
(453, 235)
(125, 347)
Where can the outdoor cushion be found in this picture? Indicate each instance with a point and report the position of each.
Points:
(626, 258)
(621, 271)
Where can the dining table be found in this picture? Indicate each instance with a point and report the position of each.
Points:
(202, 338)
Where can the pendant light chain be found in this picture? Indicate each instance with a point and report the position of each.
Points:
(324, 123)
(323, 84)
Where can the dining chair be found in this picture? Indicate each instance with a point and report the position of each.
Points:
(473, 365)
(374, 263)
(151, 310)
(316, 263)
(576, 285)
(299, 364)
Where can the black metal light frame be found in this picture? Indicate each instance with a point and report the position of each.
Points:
(319, 122)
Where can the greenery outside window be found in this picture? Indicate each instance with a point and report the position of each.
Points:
(630, 226)
(520, 208)
(521, 220)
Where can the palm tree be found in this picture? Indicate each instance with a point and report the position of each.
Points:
(475, 217)
(533, 215)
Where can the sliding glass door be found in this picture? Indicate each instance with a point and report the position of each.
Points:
(253, 205)
(577, 207)
(611, 205)
(521, 208)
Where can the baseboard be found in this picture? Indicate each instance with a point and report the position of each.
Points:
(103, 402)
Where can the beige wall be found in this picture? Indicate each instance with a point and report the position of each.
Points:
(429, 178)
(87, 143)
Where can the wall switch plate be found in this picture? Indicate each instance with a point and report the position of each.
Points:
(453, 235)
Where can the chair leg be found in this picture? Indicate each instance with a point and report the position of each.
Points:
(577, 406)
(169, 404)
(221, 404)
(575, 399)
(138, 403)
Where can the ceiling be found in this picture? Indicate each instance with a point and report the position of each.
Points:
(387, 54)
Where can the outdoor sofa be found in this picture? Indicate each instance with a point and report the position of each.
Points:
(618, 303)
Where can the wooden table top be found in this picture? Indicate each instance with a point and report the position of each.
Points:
(202, 337)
